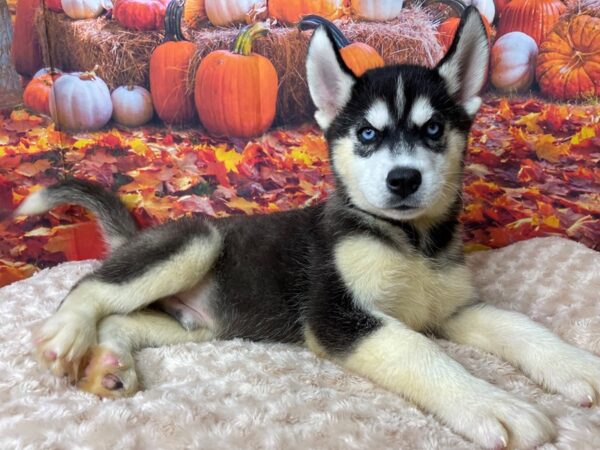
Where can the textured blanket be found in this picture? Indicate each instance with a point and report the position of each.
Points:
(236, 394)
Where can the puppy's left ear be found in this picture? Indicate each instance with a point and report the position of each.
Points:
(465, 66)
(330, 81)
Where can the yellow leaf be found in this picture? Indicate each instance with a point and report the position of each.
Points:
(139, 147)
(586, 132)
(83, 143)
(131, 200)
(530, 121)
(547, 148)
(229, 158)
(244, 205)
(474, 247)
(552, 221)
(299, 155)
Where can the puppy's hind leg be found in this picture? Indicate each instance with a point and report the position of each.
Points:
(158, 263)
(110, 368)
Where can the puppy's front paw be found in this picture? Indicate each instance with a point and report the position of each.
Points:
(109, 373)
(496, 420)
(63, 340)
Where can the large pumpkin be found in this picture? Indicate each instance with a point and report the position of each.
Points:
(533, 17)
(379, 10)
(513, 59)
(140, 15)
(358, 57)
(26, 53)
(36, 95)
(80, 101)
(292, 11)
(169, 68)
(447, 30)
(226, 12)
(568, 64)
(236, 91)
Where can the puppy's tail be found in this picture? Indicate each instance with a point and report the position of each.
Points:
(116, 222)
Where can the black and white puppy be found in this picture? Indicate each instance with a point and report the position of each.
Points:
(357, 279)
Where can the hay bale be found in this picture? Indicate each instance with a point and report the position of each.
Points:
(123, 56)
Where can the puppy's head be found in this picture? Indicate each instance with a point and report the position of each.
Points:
(397, 135)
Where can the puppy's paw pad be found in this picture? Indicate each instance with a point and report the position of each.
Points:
(109, 374)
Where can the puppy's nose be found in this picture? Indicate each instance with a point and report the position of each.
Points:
(403, 181)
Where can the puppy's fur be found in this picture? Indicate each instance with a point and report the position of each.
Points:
(356, 279)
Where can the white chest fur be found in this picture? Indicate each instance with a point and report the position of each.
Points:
(407, 287)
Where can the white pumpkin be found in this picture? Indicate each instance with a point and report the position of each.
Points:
(132, 105)
(377, 9)
(85, 9)
(487, 8)
(46, 71)
(80, 101)
(225, 12)
(513, 62)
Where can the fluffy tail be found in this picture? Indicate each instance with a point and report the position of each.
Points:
(116, 222)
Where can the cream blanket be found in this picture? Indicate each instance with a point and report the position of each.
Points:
(236, 394)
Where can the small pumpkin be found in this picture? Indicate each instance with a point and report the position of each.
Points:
(236, 91)
(292, 11)
(140, 15)
(513, 62)
(36, 95)
(53, 5)
(85, 9)
(225, 12)
(568, 66)
(447, 30)
(26, 53)
(378, 10)
(169, 68)
(132, 105)
(533, 17)
(80, 101)
(359, 57)
(194, 12)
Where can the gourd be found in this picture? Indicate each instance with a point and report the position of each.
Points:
(513, 62)
(359, 57)
(132, 105)
(378, 10)
(80, 101)
(533, 17)
(169, 68)
(236, 90)
(292, 11)
(140, 15)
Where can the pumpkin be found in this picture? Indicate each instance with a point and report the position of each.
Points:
(194, 12)
(533, 17)
(513, 62)
(26, 53)
(226, 12)
(292, 11)
(36, 95)
(568, 65)
(53, 5)
(80, 101)
(358, 57)
(500, 4)
(447, 30)
(379, 10)
(140, 15)
(85, 9)
(169, 68)
(48, 70)
(236, 91)
(132, 105)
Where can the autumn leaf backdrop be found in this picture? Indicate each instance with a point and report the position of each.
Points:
(532, 169)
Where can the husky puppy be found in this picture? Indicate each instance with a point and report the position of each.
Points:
(359, 279)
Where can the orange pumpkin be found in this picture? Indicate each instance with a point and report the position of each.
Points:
(236, 91)
(140, 15)
(359, 57)
(568, 65)
(26, 53)
(169, 68)
(447, 30)
(36, 95)
(533, 17)
(292, 11)
(194, 12)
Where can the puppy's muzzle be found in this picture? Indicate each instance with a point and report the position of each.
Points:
(403, 181)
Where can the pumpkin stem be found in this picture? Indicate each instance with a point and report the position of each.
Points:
(246, 37)
(89, 75)
(457, 5)
(173, 16)
(312, 22)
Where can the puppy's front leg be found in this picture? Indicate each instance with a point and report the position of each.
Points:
(543, 356)
(410, 364)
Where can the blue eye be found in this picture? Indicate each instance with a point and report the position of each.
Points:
(433, 130)
(368, 135)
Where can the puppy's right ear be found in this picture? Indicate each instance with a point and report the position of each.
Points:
(329, 79)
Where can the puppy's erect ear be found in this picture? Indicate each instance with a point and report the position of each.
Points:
(465, 66)
(329, 79)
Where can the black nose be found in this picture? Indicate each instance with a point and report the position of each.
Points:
(403, 181)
